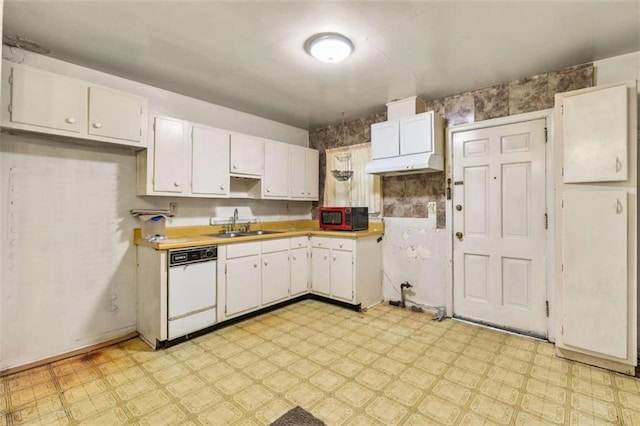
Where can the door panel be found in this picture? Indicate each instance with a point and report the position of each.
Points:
(299, 271)
(594, 242)
(244, 284)
(320, 270)
(499, 264)
(385, 139)
(209, 161)
(115, 114)
(416, 134)
(170, 156)
(342, 274)
(275, 276)
(595, 137)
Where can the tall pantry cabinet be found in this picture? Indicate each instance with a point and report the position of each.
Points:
(596, 220)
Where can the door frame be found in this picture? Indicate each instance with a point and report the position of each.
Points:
(547, 115)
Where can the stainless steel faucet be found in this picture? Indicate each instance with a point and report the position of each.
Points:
(235, 219)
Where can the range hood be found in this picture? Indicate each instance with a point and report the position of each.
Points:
(406, 164)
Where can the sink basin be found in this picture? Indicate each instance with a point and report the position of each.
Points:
(260, 232)
(225, 235)
(241, 234)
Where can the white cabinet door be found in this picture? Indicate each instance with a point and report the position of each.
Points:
(209, 161)
(275, 276)
(243, 284)
(342, 274)
(385, 139)
(114, 114)
(246, 155)
(595, 135)
(299, 270)
(311, 180)
(320, 270)
(47, 100)
(170, 155)
(297, 189)
(416, 134)
(594, 259)
(275, 183)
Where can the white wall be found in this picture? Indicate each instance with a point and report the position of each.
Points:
(68, 262)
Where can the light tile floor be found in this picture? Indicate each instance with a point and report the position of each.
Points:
(386, 366)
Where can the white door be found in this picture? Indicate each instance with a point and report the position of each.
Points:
(243, 284)
(594, 277)
(299, 271)
(209, 161)
(320, 270)
(275, 276)
(170, 156)
(47, 100)
(275, 183)
(311, 174)
(499, 216)
(416, 134)
(385, 139)
(298, 167)
(115, 114)
(342, 274)
(246, 155)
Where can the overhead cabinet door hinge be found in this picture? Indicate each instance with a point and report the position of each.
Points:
(11, 79)
(546, 308)
(546, 221)
(546, 135)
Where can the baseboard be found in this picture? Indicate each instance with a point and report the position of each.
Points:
(65, 355)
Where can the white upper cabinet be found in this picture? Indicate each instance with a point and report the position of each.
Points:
(304, 173)
(416, 135)
(385, 139)
(595, 135)
(209, 161)
(311, 180)
(246, 155)
(298, 167)
(115, 114)
(47, 100)
(44, 102)
(275, 183)
(170, 158)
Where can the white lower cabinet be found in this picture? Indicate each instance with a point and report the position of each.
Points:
(342, 275)
(347, 270)
(321, 270)
(299, 264)
(275, 271)
(243, 284)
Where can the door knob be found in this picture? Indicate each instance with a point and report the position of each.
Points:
(458, 207)
(459, 235)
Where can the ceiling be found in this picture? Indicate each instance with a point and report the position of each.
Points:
(248, 55)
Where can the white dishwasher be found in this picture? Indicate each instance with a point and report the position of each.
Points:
(191, 293)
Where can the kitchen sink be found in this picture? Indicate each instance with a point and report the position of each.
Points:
(260, 232)
(241, 234)
(225, 235)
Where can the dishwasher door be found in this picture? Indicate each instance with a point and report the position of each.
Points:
(191, 298)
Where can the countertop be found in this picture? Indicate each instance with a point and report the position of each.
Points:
(193, 236)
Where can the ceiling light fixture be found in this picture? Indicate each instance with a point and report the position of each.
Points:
(329, 47)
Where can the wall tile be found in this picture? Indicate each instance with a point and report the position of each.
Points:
(492, 102)
(436, 105)
(529, 94)
(459, 109)
(572, 78)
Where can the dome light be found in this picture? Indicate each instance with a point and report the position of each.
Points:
(329, 47)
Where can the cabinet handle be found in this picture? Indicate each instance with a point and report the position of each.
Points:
(70, 120)
(255, 265)
(618, 207)
(325, 257)
(341, 245)
(334, 258)
(97, 125)
(268, 190)
(265, 263)
(294, 258)
(222, 187)
(302, 192)
(618, 165)
(176, 184)
(235, 166)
